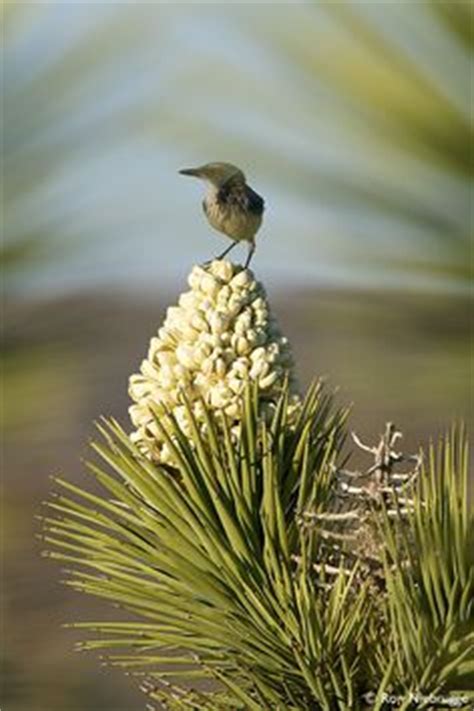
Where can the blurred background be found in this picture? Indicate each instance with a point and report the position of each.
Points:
(354, 120)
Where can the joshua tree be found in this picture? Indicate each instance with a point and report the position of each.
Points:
(253, 568)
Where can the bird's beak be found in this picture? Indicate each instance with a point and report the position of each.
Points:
(194, 172)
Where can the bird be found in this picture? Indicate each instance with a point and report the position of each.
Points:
(230, 205)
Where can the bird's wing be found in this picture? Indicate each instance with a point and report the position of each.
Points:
(255, 202)
(241, 196)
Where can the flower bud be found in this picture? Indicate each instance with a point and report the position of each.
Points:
(209, 285)
(220, 336)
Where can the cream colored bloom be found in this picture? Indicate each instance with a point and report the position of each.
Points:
(220, 336)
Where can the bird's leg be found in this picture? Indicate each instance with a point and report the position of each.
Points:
(227, 250)
(250, 253)
(221, 256)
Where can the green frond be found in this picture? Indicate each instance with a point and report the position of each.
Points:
(430, 576)
(229, 601)
(203, 554)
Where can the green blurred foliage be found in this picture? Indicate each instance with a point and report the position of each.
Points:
(403, 113)
(397, 110)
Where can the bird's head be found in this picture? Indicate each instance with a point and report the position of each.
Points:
(217, 174)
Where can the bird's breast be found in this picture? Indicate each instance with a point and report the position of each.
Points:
(234, 212)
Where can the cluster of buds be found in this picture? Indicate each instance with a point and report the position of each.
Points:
(349, 530)
(220, 336)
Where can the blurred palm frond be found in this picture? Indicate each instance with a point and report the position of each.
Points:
(54, 120)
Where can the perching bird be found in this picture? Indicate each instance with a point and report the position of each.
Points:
(230, 205)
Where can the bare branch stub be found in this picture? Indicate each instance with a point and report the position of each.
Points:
(348, 532)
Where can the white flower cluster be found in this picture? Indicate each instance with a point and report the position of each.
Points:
(219, 336)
